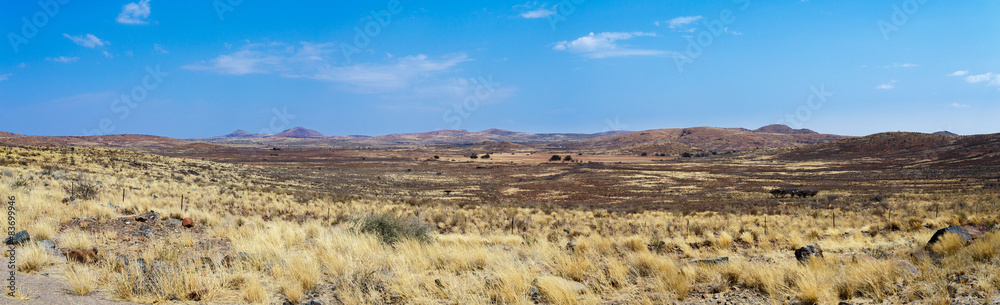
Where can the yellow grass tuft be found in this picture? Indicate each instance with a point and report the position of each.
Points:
(32, 258)
(80, 278)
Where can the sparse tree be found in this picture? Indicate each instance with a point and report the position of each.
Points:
(686, 155)
(474, 156)
(644, 154)
(437, 157)
(555, 158)
(567, 158)
(486, 156)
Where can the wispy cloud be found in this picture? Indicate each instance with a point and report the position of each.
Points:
(604, 45)
(679, 22)
(959, 73)
(62, 59)
(4, 77)
(134, 13)
(533, 10)
(86, 40)
(887, 86)
(957, 105)
(314, 61)
(158, 49)
(893, 65)
(978, 78)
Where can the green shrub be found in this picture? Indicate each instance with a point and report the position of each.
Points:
(391, 229)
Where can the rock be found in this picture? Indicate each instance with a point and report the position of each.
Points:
(86, 256)
(145, 228)
(187, 222)
(175, 222)
(47, 244)
(967, 233)
(805, 253)
(908, 266)
(148, 216)
(571, 245)
(18, 238)
(712, 261)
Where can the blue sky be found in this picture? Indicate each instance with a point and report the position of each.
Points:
(192, 69)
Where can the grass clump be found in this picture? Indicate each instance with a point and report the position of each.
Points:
(391, 229)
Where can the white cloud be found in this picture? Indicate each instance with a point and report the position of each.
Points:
(4, 77)
(134, 13)
(86, 40)
(532, 10)
(978, 78)
(680, 21)
(108, 55)
(907, 65)
(959, 73)
(314, 61)
(886, 86)
(63, 59)
(603, 45)
(22, 65)
(158, 49)
(957, 105)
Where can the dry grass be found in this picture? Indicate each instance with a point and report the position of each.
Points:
(474, 257)
(32, 259)
(80, 279)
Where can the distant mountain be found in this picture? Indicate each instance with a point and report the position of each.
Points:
(783, 129)
(945, 133)
(239, 134)
(113, 141)
(910, 147)
(703, 139)
(299, 132)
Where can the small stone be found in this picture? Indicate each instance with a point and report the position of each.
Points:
(187, 222)
(145, 228)
(47, 244)
(175, 222)
(805, 253)
(571, 245)
(18, 238)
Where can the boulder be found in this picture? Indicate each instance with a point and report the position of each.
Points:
(967, 233)
(805, 253)
(175, 222)
(86, 256)
(18, 238)
(187, 222)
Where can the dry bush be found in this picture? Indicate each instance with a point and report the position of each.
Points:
(75, 239)
(32, 259)
(556, 290)
(80, 278)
